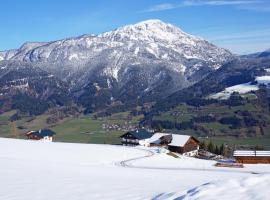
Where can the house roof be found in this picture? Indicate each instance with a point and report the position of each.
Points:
(140, 134)
(155, 139)
(251, 153)
(42, 133)
(177, 140)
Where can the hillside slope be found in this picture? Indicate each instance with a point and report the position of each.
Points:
(241, 111)
(232, 73)
(30, 89)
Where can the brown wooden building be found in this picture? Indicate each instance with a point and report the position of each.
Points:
(158, 139)
(42, 134)
(252, 157)
(132, 138)
(183, 144)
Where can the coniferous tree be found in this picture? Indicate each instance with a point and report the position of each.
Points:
(221, 149)
(216, 150)
(210, 147)
(203, 145)
(158, 128)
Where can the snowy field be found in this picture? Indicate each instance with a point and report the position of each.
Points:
(32, 170)
(242, 88)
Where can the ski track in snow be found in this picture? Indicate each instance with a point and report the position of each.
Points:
(130, 164)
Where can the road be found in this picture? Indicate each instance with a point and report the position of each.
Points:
(129, 163)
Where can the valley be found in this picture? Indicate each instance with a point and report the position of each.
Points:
(88, 129)
(152, 75)
(80, 129)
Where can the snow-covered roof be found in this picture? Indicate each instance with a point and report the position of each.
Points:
(155, 139)
(42, 133)
(140, 134)
(179, 140)
(251, 153)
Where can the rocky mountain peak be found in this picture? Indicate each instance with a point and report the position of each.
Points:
(151, 31)
(138, 60)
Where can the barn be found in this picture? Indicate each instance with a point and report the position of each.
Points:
(132, 138)
(183, 144)
(252, 157)
(42, 134)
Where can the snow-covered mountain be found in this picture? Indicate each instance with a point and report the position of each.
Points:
(147, 60)
(148, 40)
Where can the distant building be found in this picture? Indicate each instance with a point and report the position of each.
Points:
(132, 138)
(183, 144)
(158, 139)
(42, 134)
(252, 157)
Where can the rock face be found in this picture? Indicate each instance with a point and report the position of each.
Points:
(145, 61)
(30, 89)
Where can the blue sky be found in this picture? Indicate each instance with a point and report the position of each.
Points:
(242, 26)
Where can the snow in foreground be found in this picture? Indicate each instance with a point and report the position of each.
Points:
(41, 171)
(248, 188)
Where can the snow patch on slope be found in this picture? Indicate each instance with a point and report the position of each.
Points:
(265, 80)
(73, 56)
(267, 70)
(242, 88)
(136, 50)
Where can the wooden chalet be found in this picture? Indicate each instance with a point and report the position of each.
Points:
(42, 134)
(183, 144)
(132, 138)
(158, 139)
(252, 157)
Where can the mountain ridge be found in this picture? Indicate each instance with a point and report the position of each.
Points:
(132, 62)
